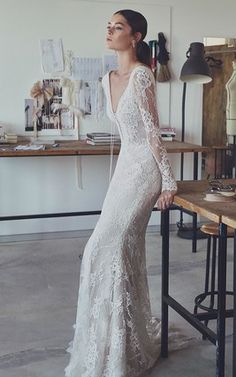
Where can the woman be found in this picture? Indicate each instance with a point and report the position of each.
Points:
(115, 334)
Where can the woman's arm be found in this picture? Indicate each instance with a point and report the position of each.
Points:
(146, 98)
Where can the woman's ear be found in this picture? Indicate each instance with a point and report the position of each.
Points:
(138, 36)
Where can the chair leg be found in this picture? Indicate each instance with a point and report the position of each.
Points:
(208, 264)
(211, 291)
(213, 274)
(208, 258)
(207, 272)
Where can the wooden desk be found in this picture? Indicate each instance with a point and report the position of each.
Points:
(73, 148)
(191, 196)
(229, 219)
(81, 148)
(68, 148)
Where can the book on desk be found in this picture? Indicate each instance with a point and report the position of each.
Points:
(105, 138)
(102, 138)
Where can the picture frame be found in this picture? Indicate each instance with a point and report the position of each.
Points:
(52, 119)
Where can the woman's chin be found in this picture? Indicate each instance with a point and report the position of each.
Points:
(109, 46)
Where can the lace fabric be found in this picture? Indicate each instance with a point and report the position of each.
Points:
(144, 84)
(115, 332)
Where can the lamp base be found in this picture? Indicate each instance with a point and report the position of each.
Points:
(187, 233)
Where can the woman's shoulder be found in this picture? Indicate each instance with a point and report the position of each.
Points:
(143, 75)
(142, 68)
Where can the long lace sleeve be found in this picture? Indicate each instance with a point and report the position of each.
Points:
(146, 98)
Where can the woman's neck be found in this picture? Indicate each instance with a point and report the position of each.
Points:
(126, 62)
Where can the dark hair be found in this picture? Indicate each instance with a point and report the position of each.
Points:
(138, 23)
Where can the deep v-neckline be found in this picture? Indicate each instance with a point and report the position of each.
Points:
(124, 91)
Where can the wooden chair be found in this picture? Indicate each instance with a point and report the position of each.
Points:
(206, 300)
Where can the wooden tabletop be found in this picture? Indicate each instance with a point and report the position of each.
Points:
(71, 148)
(81, 148)
(182, 147)
(191, 195)
(230, 217)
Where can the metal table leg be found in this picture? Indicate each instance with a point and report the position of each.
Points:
(220, 346)
(194, 239)
(234, 326)
(165, 282)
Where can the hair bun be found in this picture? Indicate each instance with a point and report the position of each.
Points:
(144, 52)
(142, 42)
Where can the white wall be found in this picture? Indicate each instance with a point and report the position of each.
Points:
(48, 184)
(39, 185)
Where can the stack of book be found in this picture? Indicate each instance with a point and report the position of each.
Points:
(102, 138)
(10, 137)
(168, 133)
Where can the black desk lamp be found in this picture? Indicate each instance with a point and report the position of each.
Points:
(194, 70)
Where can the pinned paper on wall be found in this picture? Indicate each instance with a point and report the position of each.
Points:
(91, 98)
(86, 98)
(89, 72)
(110, 62)
(52, 55)
(87, 69)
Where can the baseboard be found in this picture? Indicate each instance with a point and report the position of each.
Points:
(70, 234)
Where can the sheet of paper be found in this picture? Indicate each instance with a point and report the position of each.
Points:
(89, 71)
(30, 147)
(52, 56)
(86, 69)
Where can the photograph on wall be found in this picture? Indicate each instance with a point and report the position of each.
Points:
(67, 120)
(51, 115)
(47, 118)
(86, 98)
(29, 110)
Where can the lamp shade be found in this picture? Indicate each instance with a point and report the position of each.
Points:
(196, 69)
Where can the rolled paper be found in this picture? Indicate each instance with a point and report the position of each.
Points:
(78, 169)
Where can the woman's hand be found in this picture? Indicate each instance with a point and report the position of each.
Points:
(165, 199)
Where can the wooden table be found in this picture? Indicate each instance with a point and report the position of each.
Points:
(191, 197)
(229, 219)
(81, 148)
(63, 148)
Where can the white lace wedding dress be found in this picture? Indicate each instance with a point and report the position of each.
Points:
(115, 333)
